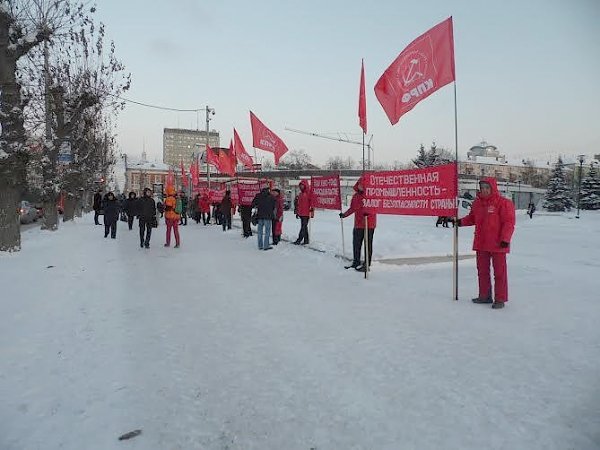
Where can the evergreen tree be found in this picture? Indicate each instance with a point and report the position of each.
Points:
(557, 196)
(433, 157)
(422, 159)
(590, 190)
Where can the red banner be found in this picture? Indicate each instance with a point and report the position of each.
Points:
(234, 194)
(247, 192)
(362, 100)
(421, 192)
(194, 172)
(326, 192)
(423, 67)
(241, 153)
(265, 139)
(216, 192)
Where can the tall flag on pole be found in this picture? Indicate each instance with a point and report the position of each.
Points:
(423, 67)
(184, 179)
(170, 179)
(212, 158)
(265, 139)
(194, 172)
(362, 100)
(241, 153)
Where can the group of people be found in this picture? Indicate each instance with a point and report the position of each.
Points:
(492, 215)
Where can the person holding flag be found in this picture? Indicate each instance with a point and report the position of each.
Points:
(494, 220)
(358, 233)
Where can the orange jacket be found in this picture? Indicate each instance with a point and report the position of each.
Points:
(170, 213)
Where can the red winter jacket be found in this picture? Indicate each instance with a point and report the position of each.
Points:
(278, 227)
(304, 207)
(357, 208)
(204, 204)
(494, 220)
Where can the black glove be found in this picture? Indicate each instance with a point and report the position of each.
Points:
(341, 215)
(459, 223)
(297, 216)
(504, 244)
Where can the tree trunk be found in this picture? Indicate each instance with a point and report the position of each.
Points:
(10, 233)
(70, 204)
(50, 216)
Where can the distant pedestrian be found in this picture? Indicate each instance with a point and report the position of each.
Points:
(172, 217)
(146, 211)
(97, 205)
(130, 208)
(225, 210)
(494, 220)
(184, 207)
(278, 220)
(195, 208)
(530, 210)
(205, 209)
(304, 211)
(111, 215)
(264, 203)
(358, 233)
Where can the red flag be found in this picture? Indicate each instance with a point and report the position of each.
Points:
(194, 172)
(184, 179)
(227, 160)
(212, 158)
(170, 179)
(240, 152)
(423, 67)
(362, 100)
(265, 139)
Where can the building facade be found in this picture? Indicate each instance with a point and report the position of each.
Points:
(184, 145)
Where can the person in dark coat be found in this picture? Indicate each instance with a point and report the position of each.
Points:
(530, 209)
(225, 209)
(130, 208)
(264, 203)
(246, 216)
(146, 212)
(278, 220)
(184, 208)
(97, 205)
(358, 234)
(111, 215)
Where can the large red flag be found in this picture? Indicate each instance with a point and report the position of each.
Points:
(265, 139)
(194, 172)
(423, 67)
(170, 182)
(227, 160)
(362, 100)
(240, 152)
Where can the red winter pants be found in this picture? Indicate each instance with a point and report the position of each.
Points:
(500, 277)
(174, 224)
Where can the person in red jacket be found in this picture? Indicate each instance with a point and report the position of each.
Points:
(204, 206)
(494, 220)
(358, 234)
(304, 211)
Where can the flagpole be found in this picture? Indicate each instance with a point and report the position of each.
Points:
(363, 147)
(455, 255)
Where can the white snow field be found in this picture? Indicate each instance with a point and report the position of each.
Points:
(219, 346)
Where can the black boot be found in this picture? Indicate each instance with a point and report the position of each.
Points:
(482, 300)
(498, 305)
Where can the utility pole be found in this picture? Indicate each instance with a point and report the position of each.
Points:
(47, 92)
(208, 112)
(581, 159)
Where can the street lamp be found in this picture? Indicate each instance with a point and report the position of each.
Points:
(519, 194)
(581, 159)
(209, 111)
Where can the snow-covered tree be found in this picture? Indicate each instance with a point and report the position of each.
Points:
(557, 196)
(590, 190)
(435, 156)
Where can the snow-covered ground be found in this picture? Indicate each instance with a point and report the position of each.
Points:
(219, 346)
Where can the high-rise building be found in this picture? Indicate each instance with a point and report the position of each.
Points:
(181, 144)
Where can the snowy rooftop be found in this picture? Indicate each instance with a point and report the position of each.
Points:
(148, 165)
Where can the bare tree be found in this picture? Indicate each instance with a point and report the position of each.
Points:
(297, 160)
(340, 163)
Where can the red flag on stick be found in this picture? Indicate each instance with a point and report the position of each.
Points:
(212, 158)
(265, 139)
(170, 179)
(423, 67)
(194, 172)
(362, 100)
(240, 152)
(184, 179)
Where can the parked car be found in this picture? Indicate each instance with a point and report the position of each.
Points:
(28, 213)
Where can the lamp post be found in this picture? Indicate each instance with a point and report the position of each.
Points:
(519, 194)
(581, 159)
(209, 111)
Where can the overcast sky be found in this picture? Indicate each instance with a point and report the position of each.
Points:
(527, 72)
